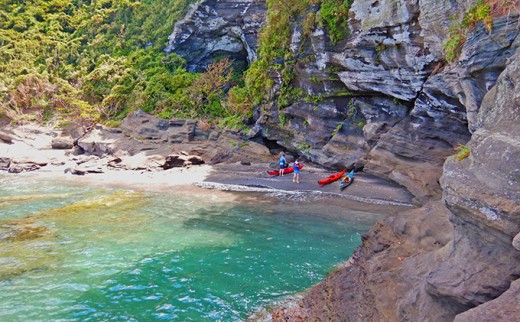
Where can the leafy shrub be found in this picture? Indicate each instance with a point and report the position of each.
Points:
(463, 152)
(240, 101)
(338, 128)
(232, 122)
(453, 45)
(208, 89)
(304, 146)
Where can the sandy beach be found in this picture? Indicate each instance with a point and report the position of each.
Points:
(366, 189)
(141, 172)
(135, 179)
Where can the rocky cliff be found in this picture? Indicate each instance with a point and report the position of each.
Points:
(214, 29)
(386, 96)
(453, 259)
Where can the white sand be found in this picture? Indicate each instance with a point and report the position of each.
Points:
(35, 147)
(144, 180)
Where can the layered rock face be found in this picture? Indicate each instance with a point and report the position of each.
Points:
(454, 259)
(395, 54)
(483, 193)
(142, 132)
(143, 142)
(215, 29)
(384, 95)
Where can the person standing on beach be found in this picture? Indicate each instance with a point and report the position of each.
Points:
(282, 162)
(296, 176)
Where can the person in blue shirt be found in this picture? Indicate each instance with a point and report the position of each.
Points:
(296, 176)
(282, 162)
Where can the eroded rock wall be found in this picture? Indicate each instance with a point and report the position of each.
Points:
(385, 95)
(462, 264)
(483, 193)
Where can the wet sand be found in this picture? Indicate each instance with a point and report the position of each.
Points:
(365, 188)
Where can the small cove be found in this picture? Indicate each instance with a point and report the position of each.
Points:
(78, 252)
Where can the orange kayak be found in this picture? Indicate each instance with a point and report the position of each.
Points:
(331, 178)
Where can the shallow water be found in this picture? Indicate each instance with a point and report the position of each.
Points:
(82, 253)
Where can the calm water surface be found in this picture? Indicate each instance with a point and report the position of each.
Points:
(83, 253)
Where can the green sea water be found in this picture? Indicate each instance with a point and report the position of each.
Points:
(71, 252)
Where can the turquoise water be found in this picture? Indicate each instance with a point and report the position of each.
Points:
(79, 253)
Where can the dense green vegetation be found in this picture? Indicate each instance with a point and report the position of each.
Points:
(334, 17)
(98, 60)
(92, 60)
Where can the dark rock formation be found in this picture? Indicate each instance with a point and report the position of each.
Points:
(516, 242)
(218, 28)
(26, 166)
(144, 143)
(381, 272)
(181, 161)
(74, 171)
(437, 121)
(62, 143)
(502, 309)
(386, 95)
(4, 163)
(144, 132)
(141, 125)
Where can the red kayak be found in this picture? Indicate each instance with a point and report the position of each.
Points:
(285, 171)
(332, 178)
